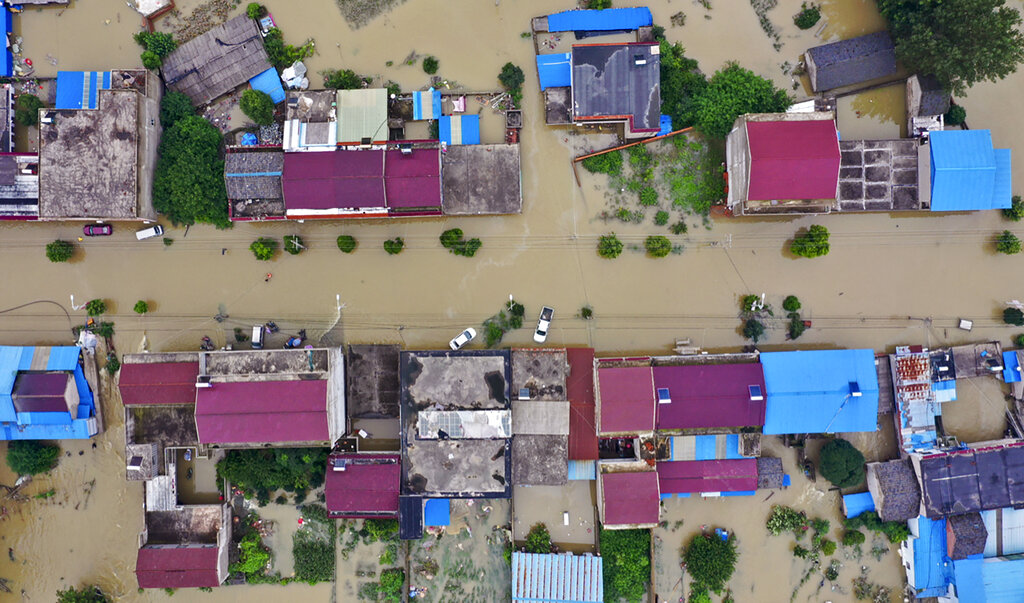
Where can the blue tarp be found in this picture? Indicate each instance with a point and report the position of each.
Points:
(437, 512)
(555, 70)
(426, 104)
(460, 129)
(250, 140)
(967, 173)
(80, 89)
(933, 573)
(609, 19)
(7, 69)
(810, 391)
(1011, 372)
(270, 83)
(666, 125)
(855, 504)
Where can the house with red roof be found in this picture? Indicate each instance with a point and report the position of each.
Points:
(709, 397)
(363, 485)
(783, 163)
(184, 546)
(153, 379)
(629, 499)
(625, 397)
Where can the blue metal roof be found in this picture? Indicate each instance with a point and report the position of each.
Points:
(609, 19)
(460, 129)
(555, 70)
(855, 504)
(1001, 579)
(426, 104)
(933, 572)
(80, 89)
(437, 512)
(969, 581)
(7, 23)
(557, 578)
(809, 391)
(268, 82)
(967, 173)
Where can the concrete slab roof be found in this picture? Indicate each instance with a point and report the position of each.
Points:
(455, 380)
(481, 179)
(373, 383)
(540, 417)
(540, 460)
(455, 468)
(542, 372)
(88, 160)
(192, 524)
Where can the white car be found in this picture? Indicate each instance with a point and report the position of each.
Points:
(462, 339)
(543, 324)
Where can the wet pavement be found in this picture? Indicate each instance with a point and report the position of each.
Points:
(890, 279)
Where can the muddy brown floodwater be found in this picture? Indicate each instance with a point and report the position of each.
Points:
(890, 279)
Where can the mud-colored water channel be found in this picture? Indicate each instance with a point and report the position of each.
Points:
(888, 280)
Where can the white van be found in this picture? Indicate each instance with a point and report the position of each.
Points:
(257, 337)
(149, 233)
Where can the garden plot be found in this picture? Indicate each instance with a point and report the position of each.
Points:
(369, 558)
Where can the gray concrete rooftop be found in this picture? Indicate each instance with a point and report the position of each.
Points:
(541, 371)
(478, 179)
(311, 106)
(557, 106)
(878, 175)
(454, 381)
(455, 467)
(540, 460)
(270, 364)
(196, 524)
(88, 160)
(161, 425)
(373, 384)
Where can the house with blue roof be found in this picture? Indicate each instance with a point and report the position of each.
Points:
(45, 394)
(966, 172)
(929, 569)
(820, 391)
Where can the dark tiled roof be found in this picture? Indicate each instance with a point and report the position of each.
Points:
(853, 61)
(218, 61)
(901, 497)
(254, 175)
(608, 82)
(972, 480)
(968, 536)
(769, 472)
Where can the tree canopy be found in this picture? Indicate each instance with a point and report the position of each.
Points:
(189, 183)
(711, 560)
(174, 106)
(811, 244)
(960, 42)
(734, 91)
(264, 470)
(30, 457)
(627, 563)
(682, 83)
(60, 251)
(538, 540)
(85, 594)
(26, 109)
(341, 79)
(258, 107)
(842, 464)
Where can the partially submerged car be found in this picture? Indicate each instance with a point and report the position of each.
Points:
(543, 324)
(462, 339)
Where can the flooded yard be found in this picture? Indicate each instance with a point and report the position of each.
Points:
(890, 279)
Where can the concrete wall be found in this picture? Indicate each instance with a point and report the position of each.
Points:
(737, 157)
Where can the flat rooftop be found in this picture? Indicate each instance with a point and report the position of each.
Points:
(474, 380)
(312, 106)
(197, 524)
(373, 383)
(480, 179)
(878, 175)
(162, 425)
(271, 363)
(88, 160)
(540, 460)
(542, 372)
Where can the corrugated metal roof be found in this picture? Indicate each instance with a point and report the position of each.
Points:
(793, 159)
(563, 578)
(609, 19)
(554, 70)
(582, 470)
(967, 173)
(426, 104)
(809, 391)
(1001, 580)
(710, 396)
(932, 574)
(1005, 531)
(158, 383)
(855, 504)
(368, 486)
(707, 476)
(252, 412)
(362, 114)
(79, 89)
(580, 388)
(630, 498)
(177, 566)
(460, 129)
(269, 83)
(627, 399)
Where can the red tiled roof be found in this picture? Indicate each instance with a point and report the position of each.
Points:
(707, 476)
(793, 159)
(273, 412)
(413, 180)
(177, 567)
(335, 179)
(580, 389)
(627, 399)
(363, 490)
(630, 498)
(158, 383)
(710, 396)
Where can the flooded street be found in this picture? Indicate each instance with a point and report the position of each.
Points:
(889, 279)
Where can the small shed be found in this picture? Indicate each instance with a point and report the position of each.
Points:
(894, 490)
(460, 129)
(926, 97)
(563, 578)
(426, 104)
(437, 512)
(607, 20)
(80, 89)
(554, 70)
(855, 504)
(965, 536)
(852, 61)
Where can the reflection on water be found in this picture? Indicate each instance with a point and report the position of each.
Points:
(877, 114)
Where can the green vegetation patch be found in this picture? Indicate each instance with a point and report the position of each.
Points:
(627, 564)
(259, 472)
(31, 457)
(313, 546)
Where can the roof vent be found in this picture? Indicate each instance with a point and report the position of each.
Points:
(756, 395)
(366, 142)
(135, 463)
(340, 464)
(405, 148)
(524, 393)
(639, 60)
(663, 396)
(855, 389)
